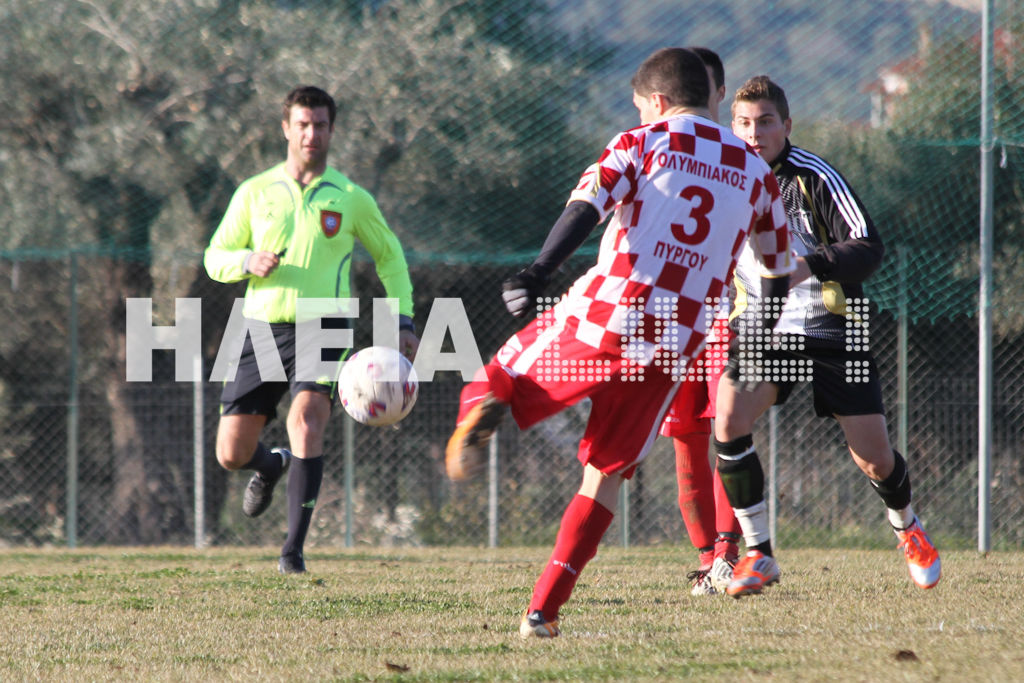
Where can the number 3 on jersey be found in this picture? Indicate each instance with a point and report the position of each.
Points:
(702, 201)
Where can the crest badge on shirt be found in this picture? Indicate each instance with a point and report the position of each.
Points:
(330, 222)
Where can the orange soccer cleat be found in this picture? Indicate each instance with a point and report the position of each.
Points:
(755, 571)
(922, 557)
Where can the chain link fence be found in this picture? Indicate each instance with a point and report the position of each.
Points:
(119, 155)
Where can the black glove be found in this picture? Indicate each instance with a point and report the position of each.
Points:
(521, 291)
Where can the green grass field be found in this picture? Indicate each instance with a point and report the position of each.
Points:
(451, 614)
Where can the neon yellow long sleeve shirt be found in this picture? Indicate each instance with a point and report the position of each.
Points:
(315, 227)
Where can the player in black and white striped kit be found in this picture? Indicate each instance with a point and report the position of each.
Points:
(821, 336)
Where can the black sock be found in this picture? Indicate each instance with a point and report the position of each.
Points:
(264, 462)
(304, 479)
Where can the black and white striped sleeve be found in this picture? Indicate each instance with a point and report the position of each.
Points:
(854, 250)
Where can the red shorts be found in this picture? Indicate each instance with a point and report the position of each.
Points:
(694, 404)
(543, 369)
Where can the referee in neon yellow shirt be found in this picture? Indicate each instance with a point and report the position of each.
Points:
(290, 231)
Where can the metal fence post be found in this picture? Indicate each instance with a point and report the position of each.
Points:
(71, 482)
(492, 492)
(902, 362)
(349, 435)
(198, 454)
(986, 202)
(773, 474)
(624, 512)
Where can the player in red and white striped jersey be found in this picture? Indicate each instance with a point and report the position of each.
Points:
(684, 195)
(707, 515)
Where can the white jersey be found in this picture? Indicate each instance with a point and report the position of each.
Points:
(685, 194)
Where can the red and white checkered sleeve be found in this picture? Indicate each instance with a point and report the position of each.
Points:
(612, 180)
(770, 235)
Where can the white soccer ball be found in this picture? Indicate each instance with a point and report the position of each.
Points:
(378, 386)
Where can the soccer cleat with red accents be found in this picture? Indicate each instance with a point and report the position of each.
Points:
(755, 571)
(922, 557)
(466, 453)
(534, 625)
(700, 579)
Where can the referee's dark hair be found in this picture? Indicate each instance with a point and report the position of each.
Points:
(675, 72)
(763, 88)
(311, 97)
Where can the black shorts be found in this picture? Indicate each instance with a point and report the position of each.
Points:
(249, 394)
(843, 382)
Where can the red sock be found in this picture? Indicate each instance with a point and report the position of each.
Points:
(729, 532)
(583, 525)
(696, 490)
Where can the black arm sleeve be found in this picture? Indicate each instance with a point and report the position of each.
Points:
(773, 292)
(849, 261)
(849, 255)
(571, 229)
